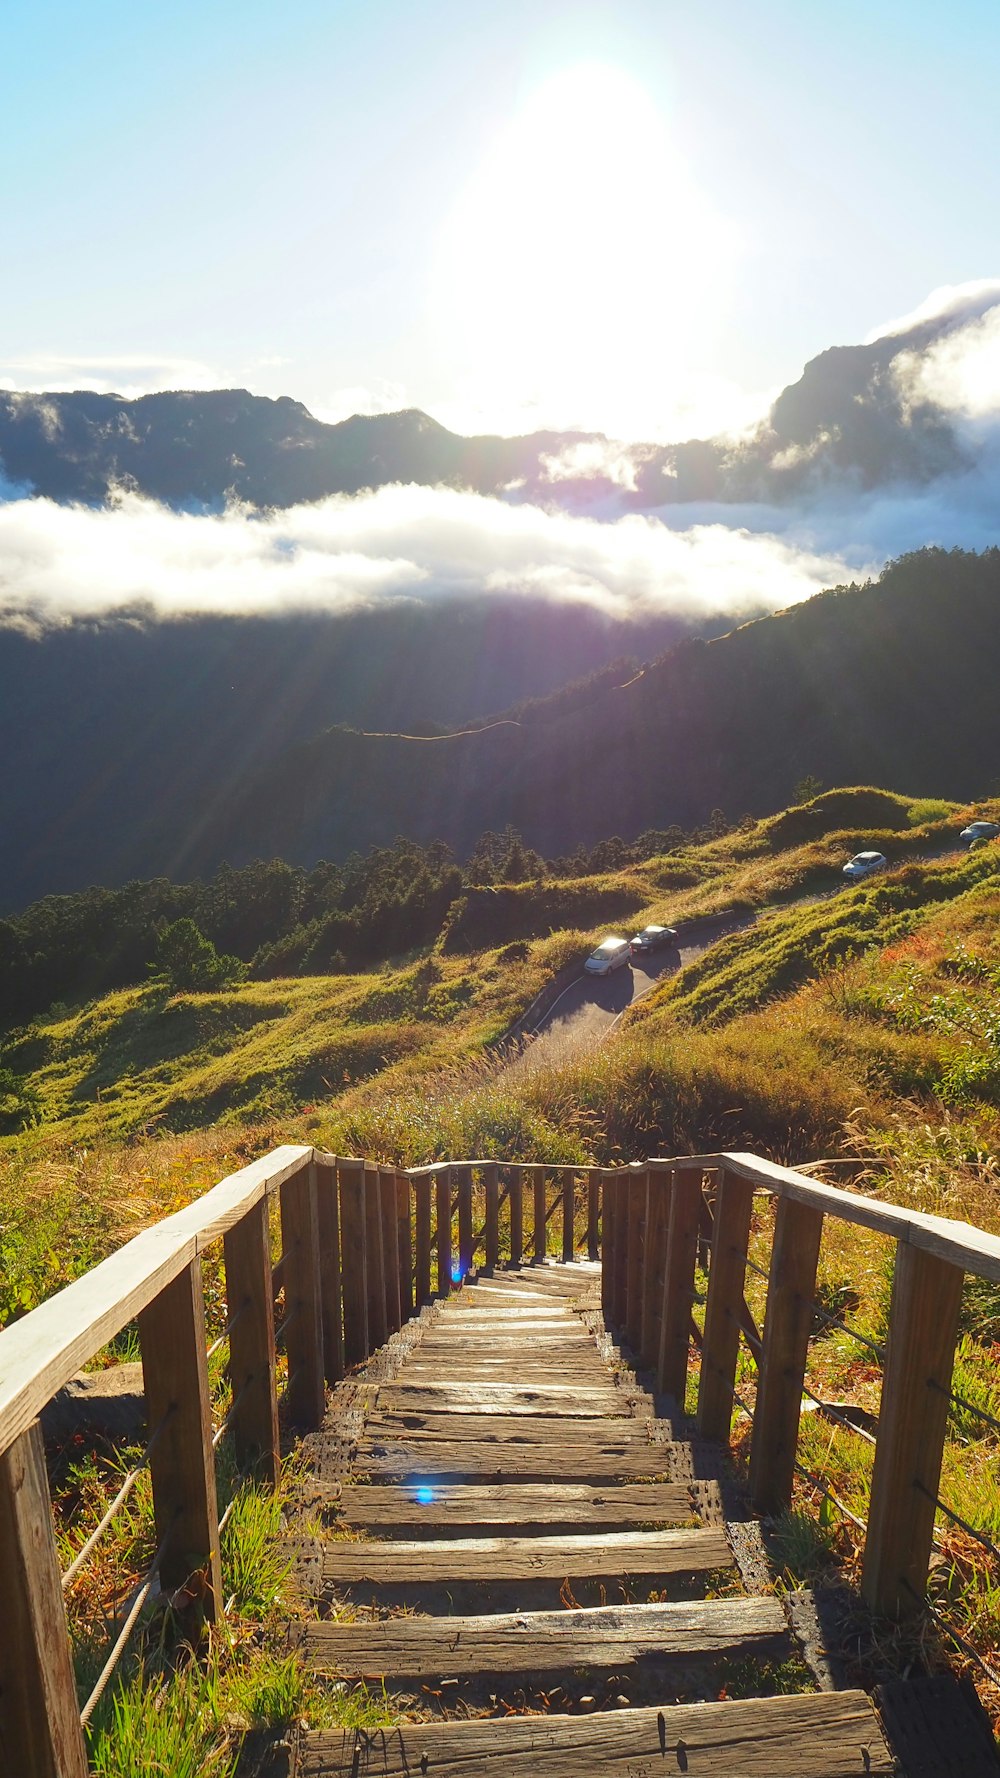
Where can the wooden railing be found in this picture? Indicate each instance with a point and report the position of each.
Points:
(362, 1248)
(656, 1217)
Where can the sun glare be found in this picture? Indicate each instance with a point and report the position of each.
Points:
(580, 271)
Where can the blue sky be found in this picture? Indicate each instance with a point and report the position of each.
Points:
(638, 216)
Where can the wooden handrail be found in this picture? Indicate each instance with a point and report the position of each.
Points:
(39, 1353)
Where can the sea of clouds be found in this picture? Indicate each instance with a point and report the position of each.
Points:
(60, 564)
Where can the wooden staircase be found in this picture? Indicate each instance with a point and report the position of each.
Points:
(511, 1546)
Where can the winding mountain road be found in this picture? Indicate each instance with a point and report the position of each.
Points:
(591, 1005)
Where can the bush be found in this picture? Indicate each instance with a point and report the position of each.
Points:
(185, 958)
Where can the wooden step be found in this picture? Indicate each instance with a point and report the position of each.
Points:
(449, 1508)
(563, 1399)
(514, 1559)
(824, 1735)
(607, 1639)
(520, 1449)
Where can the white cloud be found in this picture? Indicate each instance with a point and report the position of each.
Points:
(128, 374)
(960, 372)
(60, 563)
(957, 303)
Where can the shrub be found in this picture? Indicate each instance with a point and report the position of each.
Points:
(185, 958)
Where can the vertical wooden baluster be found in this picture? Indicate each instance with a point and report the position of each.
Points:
(331, 1303)
(40, 1733)
(657, 1209)
(182, 1462)
(593, 1212)
(678, 1283)
(913, 1417)
(491, 1179)
(465, 1228)
(422, 1221)
(617, 1179)
(538, 1173)
(609, 1239)
(378, 1326)
(354, 1245)
(443, 1184)
(724, 1308)
(250, 1298)
(569, 1213)
(306, 1396)
(404, 1244)
(516, 1200)
(791, 1283)
(636, 1185)
(390, 1249)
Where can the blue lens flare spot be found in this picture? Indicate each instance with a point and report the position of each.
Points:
(425, 1496)
(456, 1274)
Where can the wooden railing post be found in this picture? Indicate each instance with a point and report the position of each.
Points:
(40, 1733)
(390, 1249)
(540, 1230)
(182, 1461)
(515, 1197)
(616, 1182)
(306, 1396)
(378, 1326)
(913, 1417)
(404, 1245)
(250, 1300)
(331, 1301)
(354, 1246)
(443, 1184)
(724, 1308)
(678, 1282)
(491, 1180)
(609, 1245)
(569, 1214)
(593, 1212)
(658, 1177)
(465, 1229)
(422, 1237)
(635, 1197)
(791, 1284)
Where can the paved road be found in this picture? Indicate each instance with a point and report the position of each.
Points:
(586, 1011)
(589, 1008)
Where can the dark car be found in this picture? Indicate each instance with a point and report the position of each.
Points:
(652, 938)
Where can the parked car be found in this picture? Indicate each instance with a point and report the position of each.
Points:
(652, 938)
(610, 954)
(980, 830)
(865, 864)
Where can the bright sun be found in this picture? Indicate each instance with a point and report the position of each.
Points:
(580, 270)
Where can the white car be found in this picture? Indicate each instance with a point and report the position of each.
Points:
(980, 830)
(865, 864)
(611, 953)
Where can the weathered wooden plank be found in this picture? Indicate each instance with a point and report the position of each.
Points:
(787, 1324)
(40, 1734)
(913, 1417)
(522, 1429)
(611, 1636)
(353, 1240)
(659, 1503)
(505, 1398)
(726, 1281)
(305, 1394)
(506, 1559)
(328, 1222)
(182, 1462)
(510, 1461)
(824, 1735)
(250, 1300)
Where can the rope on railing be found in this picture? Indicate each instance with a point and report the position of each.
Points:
(224, 1425)
(116, 1505)
(829, 1495)
(957, 1638)
(963, 1524)
(844, 1327)
(139, 1598)
(829, 1412)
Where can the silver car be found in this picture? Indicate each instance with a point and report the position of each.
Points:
(611, 953)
